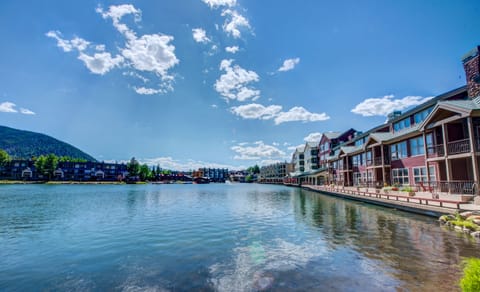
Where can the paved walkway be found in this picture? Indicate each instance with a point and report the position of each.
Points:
(422, 201)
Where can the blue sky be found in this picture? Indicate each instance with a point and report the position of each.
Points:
(191, 83)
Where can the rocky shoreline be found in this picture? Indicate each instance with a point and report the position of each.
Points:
(465, 222)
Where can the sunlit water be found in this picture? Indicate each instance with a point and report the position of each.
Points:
(236, 237)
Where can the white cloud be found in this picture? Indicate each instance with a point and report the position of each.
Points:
(234, 22)
(116, 13)
(214, 106)
(173, 164)
(152, 53)
(26, 111)
(299, 113)
(313, 137)
(68, 45)
(261, 112)
(293, 148)
(7, 107)
(233, 83)
(259, 150)
(256, 111)
(382, 106)
(220, 3)
(147, 91)
(232, 49)
(289, 64)
(10, 107)
(200, 35)
(100, 63)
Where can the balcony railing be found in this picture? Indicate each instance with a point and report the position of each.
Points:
(459, 146)
(451, 187)
(377, 161)
(435, 151)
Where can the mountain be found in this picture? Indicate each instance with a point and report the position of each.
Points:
(25, 144)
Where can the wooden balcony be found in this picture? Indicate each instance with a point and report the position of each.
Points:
(377, 161)
(452, 187)
(458, 147)
(435, 151)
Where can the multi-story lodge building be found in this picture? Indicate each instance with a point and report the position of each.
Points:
(298, 160)
(275, 173)
(432, 146)
(213, 174)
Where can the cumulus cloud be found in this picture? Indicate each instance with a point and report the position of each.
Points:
(68, 45)
(7, 107)
(200, 35)
(289, 64)
(234, 23)
(150, 53)
(299, 113)
(232, 49)
(233, 84)
(100, 63)
(256, 111)
(382, 106)
(220, 3)
(256, 150)
(261, 112)
(313, 137)
(174, 164)
(10, 107)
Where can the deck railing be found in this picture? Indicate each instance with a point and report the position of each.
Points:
(452, 187)
(435, 151)
(459, 146)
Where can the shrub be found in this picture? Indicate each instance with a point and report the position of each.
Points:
(471, 275)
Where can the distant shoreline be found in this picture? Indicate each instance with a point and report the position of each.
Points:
(20, 182)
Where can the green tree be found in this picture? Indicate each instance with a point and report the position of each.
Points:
(144, 172)
(40, 165)
(51, 163)
(133, 167)
(4, 158)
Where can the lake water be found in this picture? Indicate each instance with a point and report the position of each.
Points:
(217, 237)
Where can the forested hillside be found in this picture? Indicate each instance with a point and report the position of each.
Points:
(25, 144)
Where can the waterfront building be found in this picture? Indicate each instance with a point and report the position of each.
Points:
(275, 173)
(432, 147)
(75, 171)
(214, 174)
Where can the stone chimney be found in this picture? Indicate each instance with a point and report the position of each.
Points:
(471, 63)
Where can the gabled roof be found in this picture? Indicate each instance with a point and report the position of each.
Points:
(332, 135)
(462, 108)
(350, 149)
(311, 144)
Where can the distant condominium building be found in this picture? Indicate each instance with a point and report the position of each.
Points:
(214, 174)
(275, 173)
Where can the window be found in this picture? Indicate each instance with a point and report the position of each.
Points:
(359, 142)
(357, 160)
(399, 150)
(420, 174)
(416, 146)
(421, 116)
(400, 125)
(400, 176)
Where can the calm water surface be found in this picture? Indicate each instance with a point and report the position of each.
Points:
(217, 238)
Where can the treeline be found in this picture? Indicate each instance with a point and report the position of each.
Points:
(142, 172)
